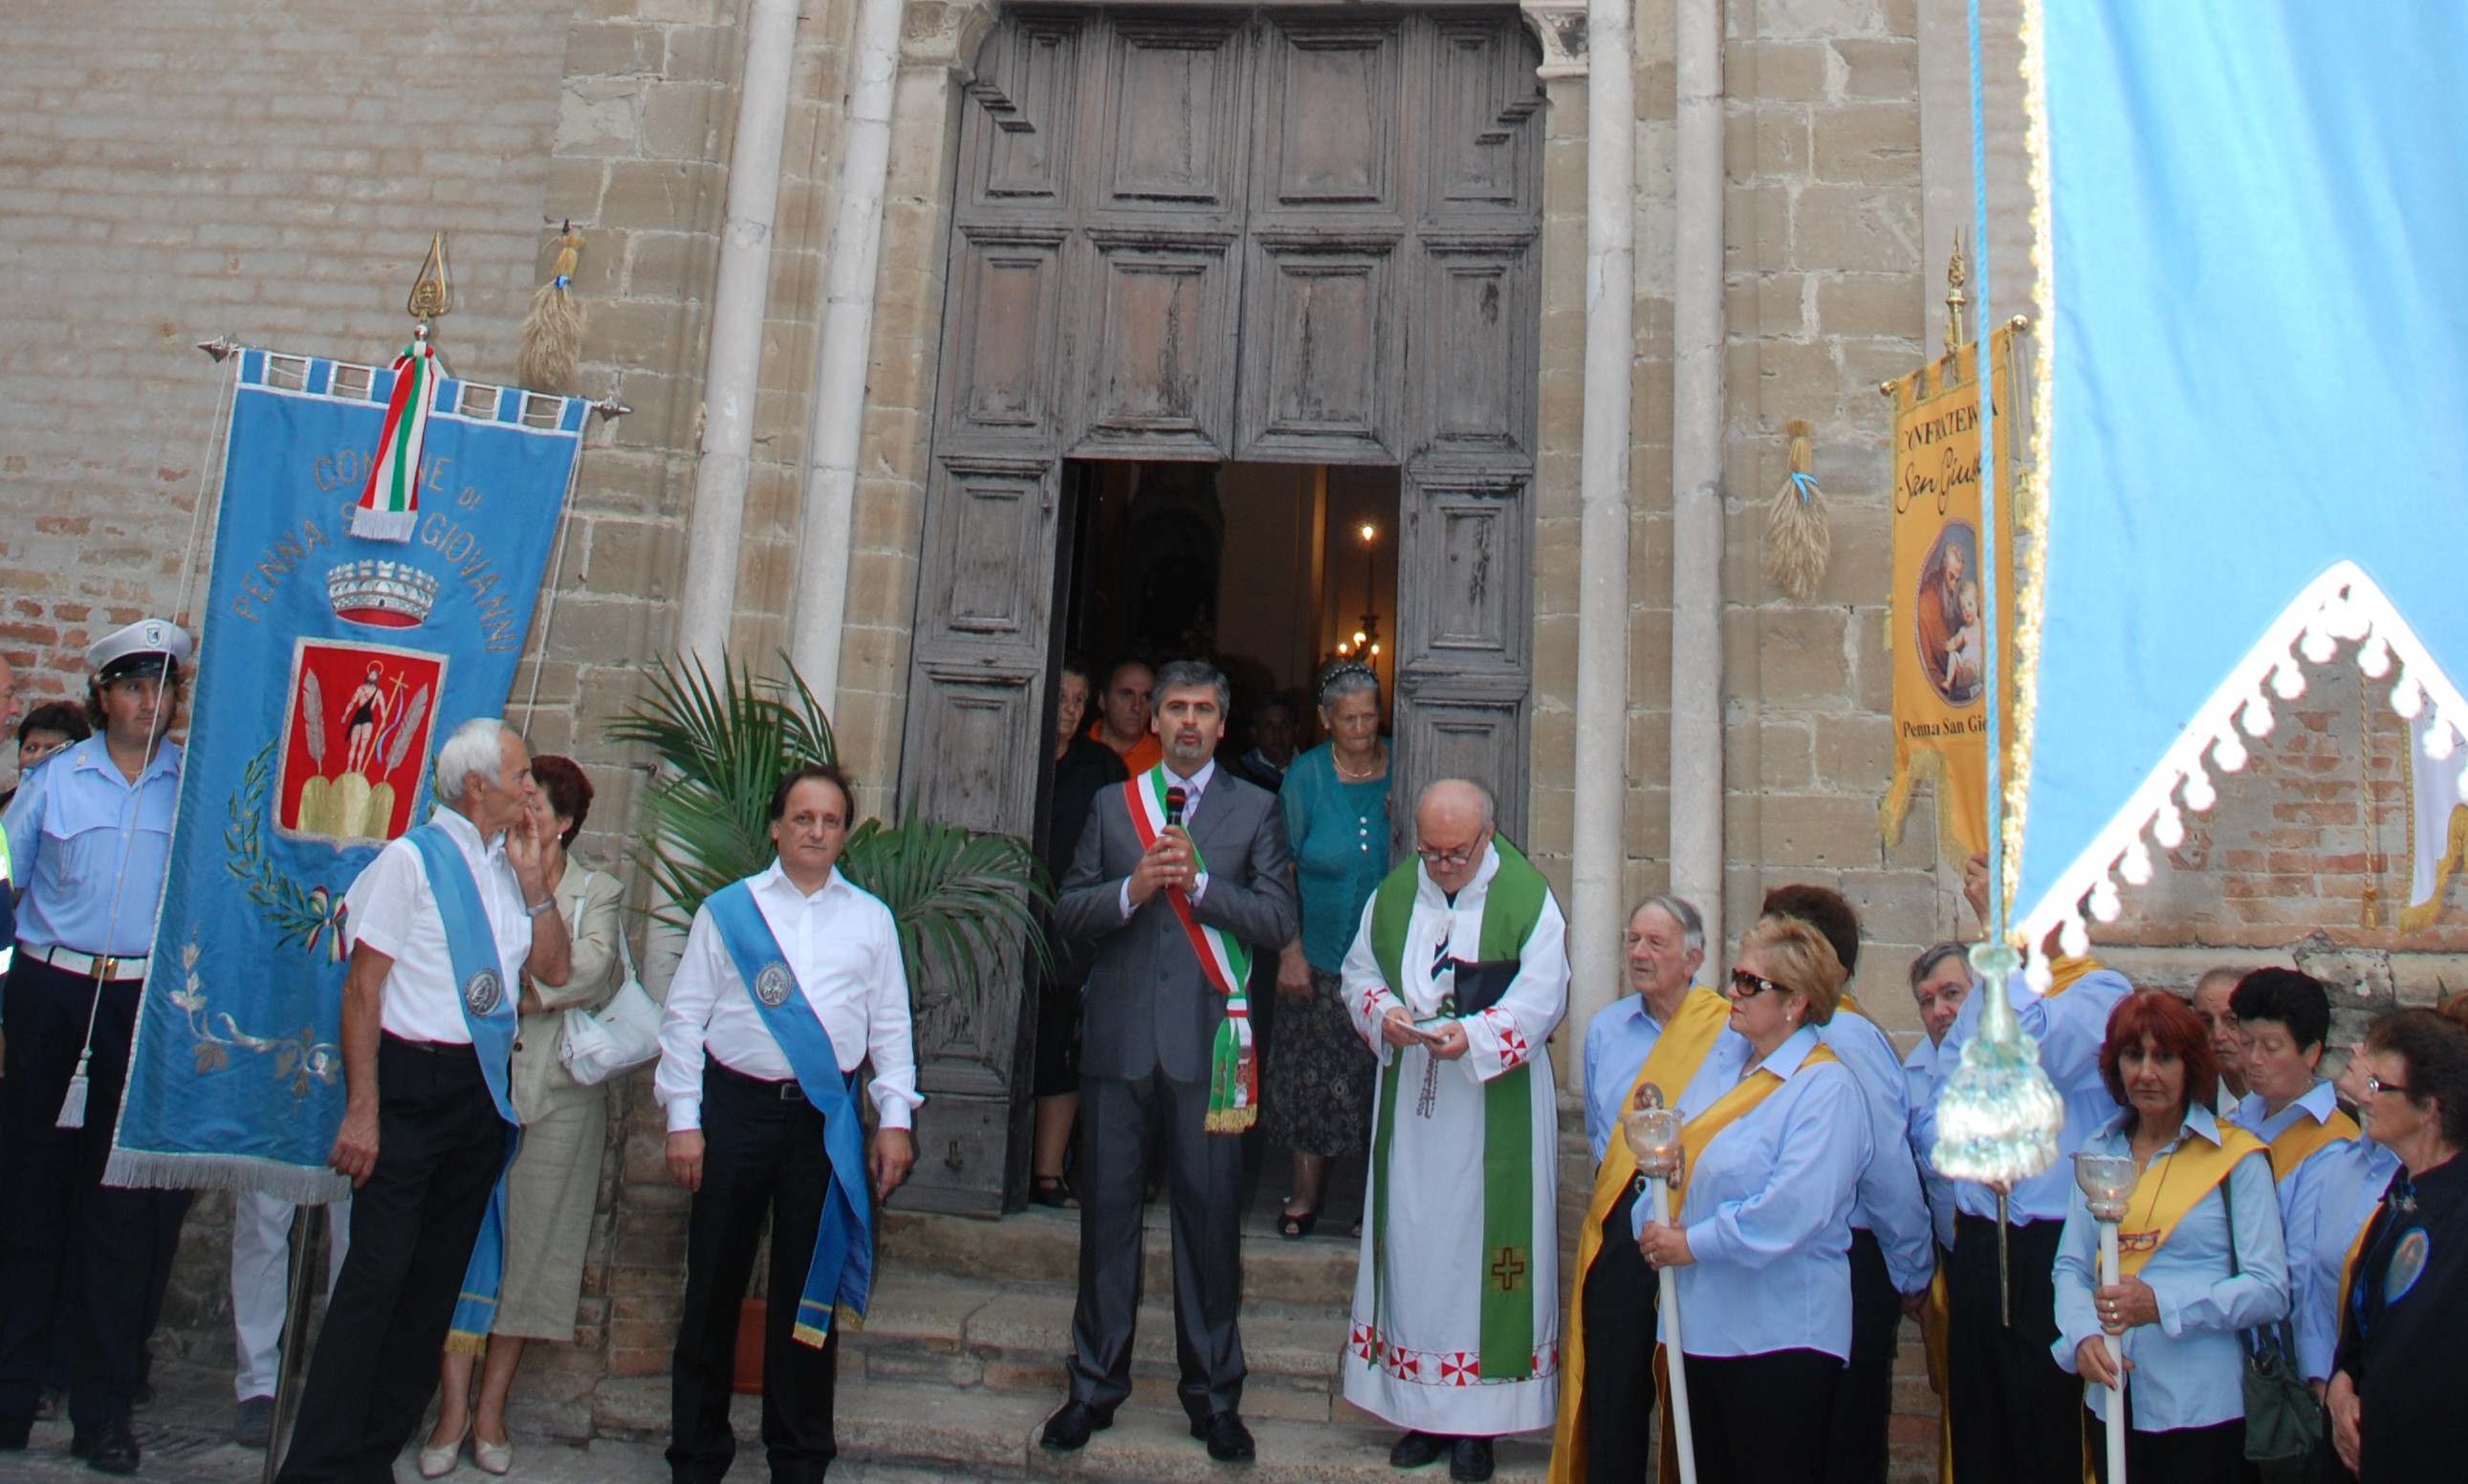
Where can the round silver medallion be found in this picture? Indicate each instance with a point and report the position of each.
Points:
(482, 991)
(772, 984)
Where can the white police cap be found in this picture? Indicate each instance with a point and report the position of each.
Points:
(129, 650)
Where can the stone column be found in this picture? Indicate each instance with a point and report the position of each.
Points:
(1697, 474)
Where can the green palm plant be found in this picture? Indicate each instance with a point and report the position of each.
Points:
(962, 899)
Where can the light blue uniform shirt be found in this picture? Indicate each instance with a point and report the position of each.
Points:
(1889, 1203)
(2069, 1028)
(2188, 1369)
(2300, 1200)
(1921, 1070)
(2350, 1190)
(82, 834)
(1618, 1039)
(1768, 1207)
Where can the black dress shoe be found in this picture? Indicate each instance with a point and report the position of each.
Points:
(1470, 1461)
(108, 1449)
(1228, 1440)
(1068, 1428)
(1417, 1449)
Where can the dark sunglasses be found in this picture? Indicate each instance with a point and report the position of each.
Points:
(1747, 986)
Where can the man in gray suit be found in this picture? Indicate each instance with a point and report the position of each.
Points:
(1155, 894)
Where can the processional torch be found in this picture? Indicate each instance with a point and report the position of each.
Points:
(2107, 1182)
(1998, 1117)
(1653, 1134)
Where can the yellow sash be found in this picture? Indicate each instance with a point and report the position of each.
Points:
(2303, 1137)
(1673, 1063)
(2064, 972)
(1852, 1005)
(2348, 1270)
(2170, 1186)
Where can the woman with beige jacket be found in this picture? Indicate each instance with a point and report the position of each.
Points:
(554, 1186)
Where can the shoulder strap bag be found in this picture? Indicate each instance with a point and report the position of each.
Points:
(621, 1035)
(2282, 1420)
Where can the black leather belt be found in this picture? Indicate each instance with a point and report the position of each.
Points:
(787, 1091)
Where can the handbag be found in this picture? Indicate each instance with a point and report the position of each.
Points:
(2282, 1420)
(621, 1035)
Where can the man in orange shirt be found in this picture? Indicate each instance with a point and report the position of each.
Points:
(1123, 715)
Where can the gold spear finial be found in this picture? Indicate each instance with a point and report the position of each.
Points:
(1953, 300)
(432, 294)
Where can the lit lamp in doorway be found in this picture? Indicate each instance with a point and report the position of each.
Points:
(1365, 644)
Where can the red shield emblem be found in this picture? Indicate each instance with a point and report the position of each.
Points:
(355, 738)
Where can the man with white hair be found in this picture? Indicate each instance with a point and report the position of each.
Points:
(439, 923)
(1457, 977)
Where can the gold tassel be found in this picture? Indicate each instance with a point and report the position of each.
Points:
(553, 331)
(1798, 539)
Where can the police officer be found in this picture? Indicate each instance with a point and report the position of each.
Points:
(88, 836)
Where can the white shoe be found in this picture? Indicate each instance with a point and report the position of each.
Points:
(436, 1463)
(492, 1458)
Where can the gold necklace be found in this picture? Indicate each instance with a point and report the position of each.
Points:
(1378, 767)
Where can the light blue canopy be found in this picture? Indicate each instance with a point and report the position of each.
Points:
(2258, 224)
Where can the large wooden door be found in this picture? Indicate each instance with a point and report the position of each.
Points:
(1275, 236)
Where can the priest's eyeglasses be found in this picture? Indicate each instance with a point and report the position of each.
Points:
(1747, 986)
(1445, 859)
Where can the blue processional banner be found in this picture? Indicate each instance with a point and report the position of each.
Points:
(330, 666)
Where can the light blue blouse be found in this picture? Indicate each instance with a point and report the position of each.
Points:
(1618, 1039)
(2350, 1189)
(2300, 1198)
(1768, 1207)
(1921, 1070)
(2069, 1028)
(2188, 1369)
(90, 849)
(1889, 1203)
(1339, 834)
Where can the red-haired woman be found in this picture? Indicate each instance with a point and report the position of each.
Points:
(2188, 1285)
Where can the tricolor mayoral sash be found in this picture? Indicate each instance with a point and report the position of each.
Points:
(489, 1014)
(1671, 1065)
(841, 1271)
(2171, 1185)
(1233, 1075)
(1512, 905)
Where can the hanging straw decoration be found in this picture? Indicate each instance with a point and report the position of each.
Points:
(1798, 539)
(553, 329)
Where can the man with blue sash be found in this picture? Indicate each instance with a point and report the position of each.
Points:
(791, 979)
(440, 923)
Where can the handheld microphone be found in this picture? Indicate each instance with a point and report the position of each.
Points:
(1173, 797)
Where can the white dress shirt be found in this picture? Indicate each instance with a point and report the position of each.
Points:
(1192, 788)
(392, 909)
(845, 951)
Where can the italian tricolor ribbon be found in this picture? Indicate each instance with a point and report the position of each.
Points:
(390, 504)
(1234, 1074)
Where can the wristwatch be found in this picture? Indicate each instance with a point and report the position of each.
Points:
(536, 908)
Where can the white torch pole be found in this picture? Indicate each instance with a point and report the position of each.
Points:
(2115, 1344)
(1669, 1279)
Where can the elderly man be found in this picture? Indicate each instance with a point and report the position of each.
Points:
(441, 922)
(1656, 1036)
(1457, 977)
(1181, 875)
(791, 980)
(2213, 992)
(89, 837)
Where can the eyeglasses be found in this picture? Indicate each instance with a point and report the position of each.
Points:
(1445, 859)
(1747, 986)
(2377, 1086)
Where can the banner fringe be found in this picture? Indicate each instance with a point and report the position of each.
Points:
(384, 525)
(159, 1170)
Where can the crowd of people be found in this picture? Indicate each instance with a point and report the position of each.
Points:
(1234, 946)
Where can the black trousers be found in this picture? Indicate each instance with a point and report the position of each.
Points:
(762, 1154)
(2180, 1455)
(72, 1248)
(1617, 1410)
(1124, 1123)
(439, 1147)
(2017, 1417)
(1762, 1419)
(1855, 1440)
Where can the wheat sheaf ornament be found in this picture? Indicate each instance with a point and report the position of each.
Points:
(553, 331)
(1798, 541)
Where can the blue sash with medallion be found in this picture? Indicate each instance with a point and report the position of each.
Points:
(489, 1014)
(842, 1267)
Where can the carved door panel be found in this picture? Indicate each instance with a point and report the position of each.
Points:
(1296, 237)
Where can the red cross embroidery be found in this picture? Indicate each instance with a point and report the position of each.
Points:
(1460, 1369)
(1366, 1344)
(1512, 1045)
(1407, 1364)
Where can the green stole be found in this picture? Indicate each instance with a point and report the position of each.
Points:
(1512, 905)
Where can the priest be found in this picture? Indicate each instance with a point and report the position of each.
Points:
(1458, 973)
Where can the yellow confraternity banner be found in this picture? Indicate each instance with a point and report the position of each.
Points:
(1935, 629)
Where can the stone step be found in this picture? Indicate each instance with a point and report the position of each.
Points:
(980, 1433)
(1042, 1246)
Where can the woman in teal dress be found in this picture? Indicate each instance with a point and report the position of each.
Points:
(1318, 1074)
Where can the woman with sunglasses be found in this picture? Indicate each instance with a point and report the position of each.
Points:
(1775, 1137)
(2394, 1393)
(2201, 1249)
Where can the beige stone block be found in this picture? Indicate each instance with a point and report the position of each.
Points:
(1768, 305)
(1645, 833)
(1815, 17)
(1649, 653)
(1775, 71)
(661, 194)
(1867, 362)
(574, 189)
(1859, 565)
(683, 121)
(1771, 753)
(1815, 830)
(671, 265)
(640, 557)
(1649, 748)
(1799, 656)
(1880, 68)
(1555, 655)
(699, 52)
(1855, 751)
(877, 590)
(1756, 227)
(1885, 304)
(1871, 664)
(1794, 380)
(1856, 229)
(1868, 144)
(1550, 818)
